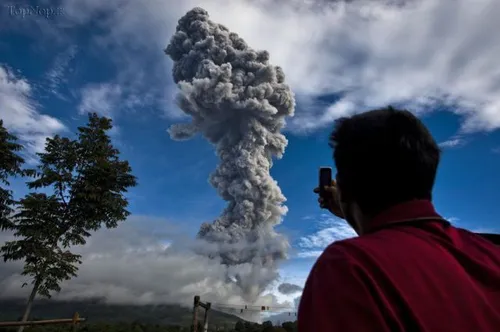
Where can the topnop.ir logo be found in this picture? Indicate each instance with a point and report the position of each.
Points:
(24, 11)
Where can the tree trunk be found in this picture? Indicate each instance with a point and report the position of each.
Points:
(27, 311)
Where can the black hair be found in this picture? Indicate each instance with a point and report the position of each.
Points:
(384, 157)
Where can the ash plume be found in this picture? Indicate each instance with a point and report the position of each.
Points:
(238, 101)
(287, 288)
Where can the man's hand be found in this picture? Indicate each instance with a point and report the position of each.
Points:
(330, 200)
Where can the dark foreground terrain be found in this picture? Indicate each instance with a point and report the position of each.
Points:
(103, 317)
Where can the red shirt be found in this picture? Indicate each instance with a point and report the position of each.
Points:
(421, 276)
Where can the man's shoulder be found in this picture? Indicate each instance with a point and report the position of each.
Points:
(335, 263)
(336, 251)
(343, 263)
(359, 250)
(359, 243)
(395, 246)
(342, 252)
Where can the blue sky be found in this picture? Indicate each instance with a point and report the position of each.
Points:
(108, 58)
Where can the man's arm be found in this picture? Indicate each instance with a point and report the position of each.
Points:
(337, 298)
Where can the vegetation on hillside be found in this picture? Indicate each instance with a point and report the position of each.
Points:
(95, 312)
(240, 326)
(114, 317)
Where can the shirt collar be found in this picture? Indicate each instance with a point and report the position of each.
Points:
(404, 212)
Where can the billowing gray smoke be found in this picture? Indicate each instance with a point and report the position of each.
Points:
(238, 102)
(287, 288)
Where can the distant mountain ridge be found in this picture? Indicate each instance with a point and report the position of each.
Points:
(99, 312)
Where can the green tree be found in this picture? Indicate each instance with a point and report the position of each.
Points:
(87, 182)
(10, 165)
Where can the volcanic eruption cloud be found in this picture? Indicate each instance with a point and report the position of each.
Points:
(238, 102)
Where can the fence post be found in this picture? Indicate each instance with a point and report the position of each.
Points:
(196, 303)
(208, 305)
(76, 318)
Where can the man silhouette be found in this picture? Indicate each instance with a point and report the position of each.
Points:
(409, 269)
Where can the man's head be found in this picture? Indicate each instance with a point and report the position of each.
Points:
(383, 157)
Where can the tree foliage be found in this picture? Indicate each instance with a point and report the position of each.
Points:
(10, 165)
(79, 186)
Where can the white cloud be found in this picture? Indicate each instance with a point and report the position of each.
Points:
(453, 220)
(115, 97)
(20, 112)
(310, 254)
(422, 55)
(476, 229)
(144, 261)
(331, 229)
(133, 40)
(453, 142)
(473, 227)
(57, 74)
(100, 98)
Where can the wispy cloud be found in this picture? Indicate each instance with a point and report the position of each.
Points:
(21, 114)
(473, 227)
(114, 97)
(476, 229)
(453, 220)
(330, 229)
(100, 98)
(57, 74)
(309, 253)
(496, 150)
(453, 142)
